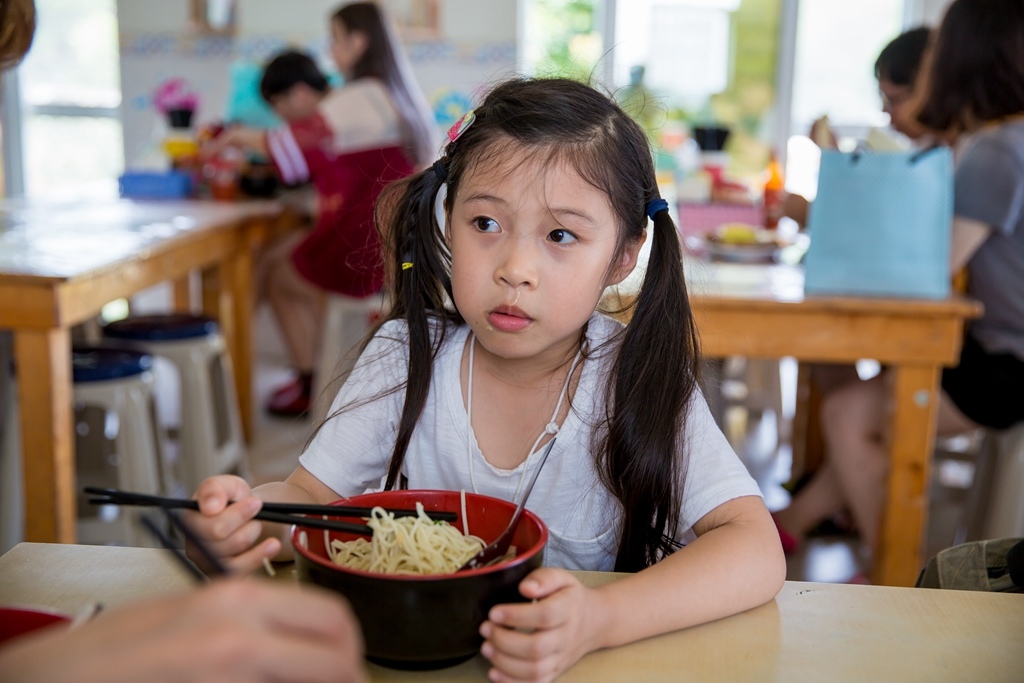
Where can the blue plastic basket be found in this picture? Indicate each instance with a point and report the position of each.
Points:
(149, 185)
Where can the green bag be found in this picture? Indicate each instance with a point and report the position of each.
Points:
(991, 565)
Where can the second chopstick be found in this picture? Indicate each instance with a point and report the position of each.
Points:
(119, 497)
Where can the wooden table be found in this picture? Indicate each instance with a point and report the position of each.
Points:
(760, 311)
(60, 263)
(811, 632)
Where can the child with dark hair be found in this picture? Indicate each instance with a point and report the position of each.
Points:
(293, 85)
(349, 142)
(498, 256)
(896, 71)
(973, 96)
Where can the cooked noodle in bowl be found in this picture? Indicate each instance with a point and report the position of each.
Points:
(406, 545)
(427, 619)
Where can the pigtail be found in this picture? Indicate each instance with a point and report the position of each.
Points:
(419, 264)
(641, 458)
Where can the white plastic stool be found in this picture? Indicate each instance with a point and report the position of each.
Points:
(210, 435)
(346, 321)
(1004, 516)
(126, 397)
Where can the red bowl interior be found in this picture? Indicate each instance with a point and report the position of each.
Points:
(19, 621)
(488, 517)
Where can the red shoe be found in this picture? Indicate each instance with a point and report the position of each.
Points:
(790, 543)
(293, 399)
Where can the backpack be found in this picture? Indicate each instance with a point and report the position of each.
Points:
(994, 565)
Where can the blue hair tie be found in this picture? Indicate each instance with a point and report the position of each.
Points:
(656, 205)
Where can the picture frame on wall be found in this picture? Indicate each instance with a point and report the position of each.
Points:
(217, 17)
(415, 19)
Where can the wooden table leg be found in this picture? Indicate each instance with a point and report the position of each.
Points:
(804, 421)
(238, 278)
(43, 360)
(898, 559)
(182, 294)
(227, 293)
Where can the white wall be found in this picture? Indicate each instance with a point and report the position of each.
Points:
(925, 12)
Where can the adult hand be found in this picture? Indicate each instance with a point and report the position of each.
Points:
(537, 641)
(235, 630)
(227, 137)
(796, 207)
(228, 528)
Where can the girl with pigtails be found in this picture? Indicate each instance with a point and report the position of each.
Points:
(498, 256)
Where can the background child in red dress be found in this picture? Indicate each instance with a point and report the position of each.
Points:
(350, 142)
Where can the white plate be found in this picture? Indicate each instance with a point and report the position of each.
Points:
(765, 252)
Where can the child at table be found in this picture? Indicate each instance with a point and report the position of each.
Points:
(349, 142)
(493, 345)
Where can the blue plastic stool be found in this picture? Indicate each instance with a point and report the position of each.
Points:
(161, 327)
(118, 382)
(210, 431)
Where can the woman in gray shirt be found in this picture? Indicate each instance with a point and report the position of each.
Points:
(973, 96)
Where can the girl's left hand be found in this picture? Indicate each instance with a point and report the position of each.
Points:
(537, 641)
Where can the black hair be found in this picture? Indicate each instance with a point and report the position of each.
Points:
(385, 60)
(286, 70)
(639, 441)
(976, 69)
(899, 61)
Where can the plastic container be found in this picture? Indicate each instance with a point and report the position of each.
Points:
(774, 193)
(154, 185)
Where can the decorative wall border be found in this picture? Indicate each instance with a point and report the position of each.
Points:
(148, 45)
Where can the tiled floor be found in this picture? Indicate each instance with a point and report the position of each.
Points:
(278, 443)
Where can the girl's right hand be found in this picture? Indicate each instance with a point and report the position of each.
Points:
(225, 523)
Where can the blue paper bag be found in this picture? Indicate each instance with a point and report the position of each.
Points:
(880, 225)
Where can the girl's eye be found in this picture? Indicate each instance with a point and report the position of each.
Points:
(486, 224)
(562, 236)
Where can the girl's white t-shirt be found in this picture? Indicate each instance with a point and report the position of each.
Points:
(351, 452)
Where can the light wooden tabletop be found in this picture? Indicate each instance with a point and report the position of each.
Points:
(63, 240)
(811, 632)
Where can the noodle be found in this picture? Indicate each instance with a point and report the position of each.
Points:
(407, 545)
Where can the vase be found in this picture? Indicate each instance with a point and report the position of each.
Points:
(180, 118)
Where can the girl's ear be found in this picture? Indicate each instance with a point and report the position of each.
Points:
(626, 261)
(439, 214)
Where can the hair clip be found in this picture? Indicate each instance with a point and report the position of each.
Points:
(406, 265)
(460, 126)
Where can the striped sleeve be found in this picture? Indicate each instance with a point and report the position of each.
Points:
(287, 156)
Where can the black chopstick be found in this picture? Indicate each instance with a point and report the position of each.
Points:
(153, 528)
(112, 497)
(118, 497)
(217, 568)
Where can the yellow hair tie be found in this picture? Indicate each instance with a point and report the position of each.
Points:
(406, 265)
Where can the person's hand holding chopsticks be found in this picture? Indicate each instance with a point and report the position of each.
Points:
(225, 523)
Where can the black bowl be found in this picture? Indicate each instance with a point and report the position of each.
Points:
(427, 622)
(258, 184)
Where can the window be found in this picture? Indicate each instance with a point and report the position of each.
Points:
(68, 95)
(837, 43)
(562, 38)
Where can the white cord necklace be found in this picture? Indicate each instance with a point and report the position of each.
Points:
(551, 427)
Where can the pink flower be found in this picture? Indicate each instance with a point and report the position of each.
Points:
(174, 94)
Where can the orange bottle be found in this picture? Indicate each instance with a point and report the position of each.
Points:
(774, 193)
